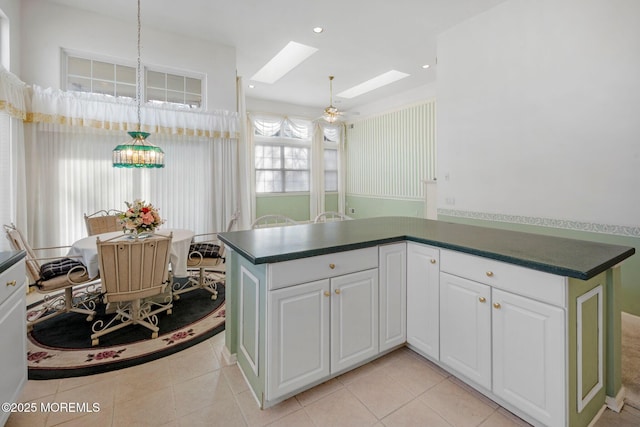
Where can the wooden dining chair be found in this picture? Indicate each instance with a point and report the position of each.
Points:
(51, 275)
(133, 272)
(102, 221)
(205, 264)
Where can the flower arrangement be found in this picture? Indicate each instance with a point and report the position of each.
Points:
(140, 217)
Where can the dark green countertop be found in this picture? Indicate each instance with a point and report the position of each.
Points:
(565, 257)
(7, 259)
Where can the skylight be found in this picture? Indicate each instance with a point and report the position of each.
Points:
(286, 60)
(374, 83)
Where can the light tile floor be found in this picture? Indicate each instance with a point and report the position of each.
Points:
(196, 388)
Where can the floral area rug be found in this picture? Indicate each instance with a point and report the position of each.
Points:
(61, 347)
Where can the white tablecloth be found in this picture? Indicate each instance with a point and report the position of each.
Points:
(87, 249)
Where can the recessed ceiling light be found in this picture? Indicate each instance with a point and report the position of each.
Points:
(425, 66)
(286, 60)
(252, 86)
(374, 83)
(318, 30)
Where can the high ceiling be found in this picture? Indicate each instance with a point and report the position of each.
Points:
(361, 38)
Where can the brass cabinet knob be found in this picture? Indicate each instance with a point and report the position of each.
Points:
(489, 273)
(327, 293)
(482, 299)
(496, 305)
(11, 283)
(332, 266)
(337, 291)
(433, 261)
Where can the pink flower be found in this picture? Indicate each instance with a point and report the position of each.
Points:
(147, 218)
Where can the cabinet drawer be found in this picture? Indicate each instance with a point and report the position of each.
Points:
(11, 280)
(287, 273)
(519, 280)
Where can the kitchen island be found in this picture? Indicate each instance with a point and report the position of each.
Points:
(13, 328)
(531, 321)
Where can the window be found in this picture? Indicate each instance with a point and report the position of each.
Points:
(330, 169)
(86, 74)
(173, 88)
(282, 169)
(282, 157)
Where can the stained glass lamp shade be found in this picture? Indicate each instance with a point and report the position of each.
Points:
(138, 153)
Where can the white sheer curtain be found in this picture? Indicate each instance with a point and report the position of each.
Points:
(270, 125)
(316, 199)
(342, 163)
(246, 171)
(12, 177)
(107, 112)
(69, 165)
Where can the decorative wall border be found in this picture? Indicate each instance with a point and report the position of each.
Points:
(618, 230)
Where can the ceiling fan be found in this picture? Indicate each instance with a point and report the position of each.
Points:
(331, 113)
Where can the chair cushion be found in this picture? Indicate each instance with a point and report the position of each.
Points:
(57, 268)
(61, 282)
(206, 250)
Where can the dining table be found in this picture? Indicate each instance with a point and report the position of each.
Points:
(87, 249)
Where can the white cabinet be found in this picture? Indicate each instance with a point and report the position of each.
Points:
(354, 319)
(393, 295)
(299, 344)
(511, 345)
(465, 328)
(423, 299)
(13, 333)
(529, 356)
(320, 329)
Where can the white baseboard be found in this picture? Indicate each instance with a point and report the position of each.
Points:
(616, 403)
(229, 359)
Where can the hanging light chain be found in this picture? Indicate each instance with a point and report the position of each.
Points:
(139, 76)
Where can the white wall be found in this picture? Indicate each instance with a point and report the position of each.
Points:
(11, 9)
(539, 111)
(48, 27)
(257, 105)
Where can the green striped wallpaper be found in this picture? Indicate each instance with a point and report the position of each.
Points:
(390, 155)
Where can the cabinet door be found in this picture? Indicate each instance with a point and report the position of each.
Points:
(423, 299)
(393, 295)
(465, 328)
(354, 319)
(13, 360)
(529, 357)
(298, 346)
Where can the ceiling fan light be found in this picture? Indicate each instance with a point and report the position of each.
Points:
(331, 118)
(331, 113)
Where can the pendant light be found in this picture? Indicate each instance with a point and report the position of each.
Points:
(138, 153)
